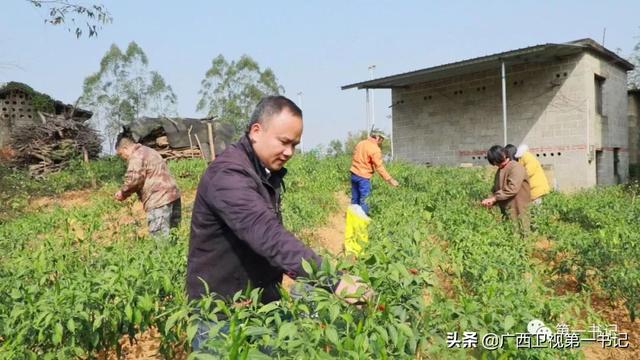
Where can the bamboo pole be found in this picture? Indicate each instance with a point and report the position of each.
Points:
(200, 147)
(85, 154)
(212, 150)
(190, 142)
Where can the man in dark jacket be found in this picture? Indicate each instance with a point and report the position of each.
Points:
(237, 238)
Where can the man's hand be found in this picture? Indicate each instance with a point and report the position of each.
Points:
(118, 196)
(353, 291)
(488, 202)
(242, 304)
(393, 182)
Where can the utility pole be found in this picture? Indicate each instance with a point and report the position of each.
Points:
(367, 109)
(391, 134)
(372, 68)
(503, 75)
(300, 106)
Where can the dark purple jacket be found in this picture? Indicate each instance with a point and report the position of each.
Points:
(237, 238)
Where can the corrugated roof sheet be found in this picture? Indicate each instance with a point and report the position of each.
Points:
(537, 53)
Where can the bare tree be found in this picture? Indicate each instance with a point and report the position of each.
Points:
(71, 15)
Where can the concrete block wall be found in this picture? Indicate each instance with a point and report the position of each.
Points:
(550, 107)
(633, 115)
(612, 135)
(5, 130)
(15, 110)
(455, 120)
(557, 135)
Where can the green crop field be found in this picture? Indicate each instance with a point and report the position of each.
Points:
(78, 277)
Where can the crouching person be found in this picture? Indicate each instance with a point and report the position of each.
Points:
(237, 238)
(148, 176)
(511, 189)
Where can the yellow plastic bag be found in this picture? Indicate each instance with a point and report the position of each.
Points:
(355, 232)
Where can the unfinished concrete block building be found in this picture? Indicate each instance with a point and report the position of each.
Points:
(567, 101)
(634, 132)
(20, 105)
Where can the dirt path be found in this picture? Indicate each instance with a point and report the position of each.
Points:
(443, 274)
(331, 235)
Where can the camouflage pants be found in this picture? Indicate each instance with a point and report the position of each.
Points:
(160, 220)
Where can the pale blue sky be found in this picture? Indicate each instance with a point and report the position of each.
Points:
(312, 46)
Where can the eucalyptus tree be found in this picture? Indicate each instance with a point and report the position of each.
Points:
(230, 90)
(124, 89)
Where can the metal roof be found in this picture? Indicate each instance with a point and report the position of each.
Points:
(532, 54)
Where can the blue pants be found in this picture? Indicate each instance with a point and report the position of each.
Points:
(360, 189)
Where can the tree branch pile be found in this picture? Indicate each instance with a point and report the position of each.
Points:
(50, 146)
(158, 141)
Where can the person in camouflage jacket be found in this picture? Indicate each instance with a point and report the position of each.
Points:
(148, 176)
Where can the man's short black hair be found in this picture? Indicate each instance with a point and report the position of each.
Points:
(126, 135)
(510, 150)
(270, 106)
(124, 141)
(496, 155)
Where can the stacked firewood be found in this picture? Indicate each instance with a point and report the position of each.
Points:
(158, 141)
(50, 146)
(171, 154)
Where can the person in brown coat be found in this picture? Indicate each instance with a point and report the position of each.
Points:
(511, 190)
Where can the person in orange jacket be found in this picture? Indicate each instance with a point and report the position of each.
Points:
(367, 159)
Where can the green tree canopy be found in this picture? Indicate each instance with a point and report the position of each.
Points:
(633, 78)
(336, 147)
(124, 89)
(230, 90)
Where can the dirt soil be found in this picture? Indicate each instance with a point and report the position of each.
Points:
(145, 347)
(66, 200)
(132, 213)
(442, 272)
(615, 313)
(331, 235)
